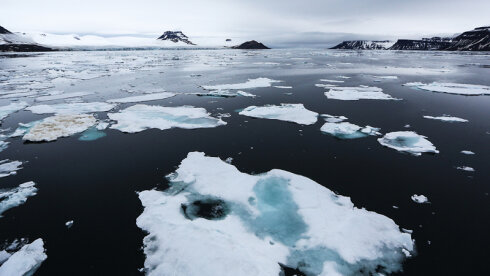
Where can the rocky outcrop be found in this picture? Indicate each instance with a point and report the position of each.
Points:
(475, 40)
(175, 36)
(252, 44)
(427, 44)
(10, 42)
(364, 45)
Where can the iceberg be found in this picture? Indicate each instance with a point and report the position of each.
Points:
(357, 93)
(143, 98)
(452, 88)
(407, 141)
(25, 261)
(10, 198)
(447, 118)
(57, 126)
(420, 199)
(249, 84)
(71, 108)
(216, 220)
(62, 96)
(9, 168)
(140, 117)
(11, 108)
(345, 130)
(295, 113)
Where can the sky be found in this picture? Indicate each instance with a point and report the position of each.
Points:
(273, 21)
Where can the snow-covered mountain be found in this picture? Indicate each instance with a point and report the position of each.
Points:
(176, 37)
(14, 42)
(474, 40)
(364, 45)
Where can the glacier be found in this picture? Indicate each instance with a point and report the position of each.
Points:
(71, 108)
(10, 198)
(62, 125)
(25, 261)
(216, 220)
(407, 141)
(357, 93)
(295, 113)
(452, 88)
(140, 117)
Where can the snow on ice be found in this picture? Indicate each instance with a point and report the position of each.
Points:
(295, 113)
(57, 126)
(452, 88)
(25, 261)
(357, 93)
(407, 141)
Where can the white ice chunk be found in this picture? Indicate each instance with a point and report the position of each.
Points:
(468, 152)
(251, 83)
(9, 168)
(57, 126)
(452, 88)
(140, 117)
(386, 77)
(11, 108)
(62, 96)
(283, 86)
(69, 223)
(71, 108)
(295, 113)
(332, 81)
(420, 199)
(447, 118)
(14, 197)
(245, 94)
(143, 98)
(25, 261)
(333, 119)
(357, 93)
(345, 130)
(251, 223)
(465, 168)
(407, 141)
(102, 125)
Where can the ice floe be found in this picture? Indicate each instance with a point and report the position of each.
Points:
(295, 113)
(25, 261)
(62, 96)
(143, 98)
(249, 84)
(333, 119)
(357, 93)
(62, 125)
(10, 198)
(246, 94)
(407, 141)
(216, 220)
(345, 130)
(140, 117)
(452, 88)
(420, 199)
(71, 108)
(447, 118)
(283, 86)
(69, 224)
(465, 168)
(9, 167)
(219, 94)
(332, 81)
(467, 152)
(11, 108)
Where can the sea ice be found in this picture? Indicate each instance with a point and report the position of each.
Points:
(11, 108)
(9, 168)
(62, 125)
(345, 130)
(140, 117)
(92, 134)
(333, 119)
(62, 96)
(295, 113)
(216, 220)
(420, 199)
(447, 118)
(10, 198)
(407, 141)
(452, 88)
(25, 261)
(219, 94)
(357, 93)
(465, 168)
(386, 77)
(69, 224)
(283, 86)
(71, 108)
(143, 98)
(468, 152)
(332, 81)
(245, 94)
(251, 83)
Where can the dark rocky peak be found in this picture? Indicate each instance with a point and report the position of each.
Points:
(474, 40)
(252, 44)
(4, 31)
(175, 36)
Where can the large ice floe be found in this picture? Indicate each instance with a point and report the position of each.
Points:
(249, 84)
(10, 198)
(407, 141)
(140, 117)
(216, 220)
(452, 88)
(295, 113)
(71, 108)
(25, 261)
(9, 167)
(143, 98)
(357, 93)
(447, 118)
(336, 126)
(11, 108)
(62, 125)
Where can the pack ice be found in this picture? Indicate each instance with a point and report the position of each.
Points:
(140, 117)
(25, 261)
(407, 141)
(357, 93)
(452, 88)
(216, 220)
(71, 108)
(10, 198)
(57, 126)
(295, 113)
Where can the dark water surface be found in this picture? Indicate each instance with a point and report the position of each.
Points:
(96, 183)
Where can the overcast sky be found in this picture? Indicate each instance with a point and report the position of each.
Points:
(278, 20)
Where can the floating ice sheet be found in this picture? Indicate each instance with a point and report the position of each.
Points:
(357, 93)
(62, 125)
(452, 88)
(295, 113)
(251, 83)
(143, 98)
(71, 108)
(345, 130)
(11, 108)
(10, 198)
(447, 118)
(140, 117)
(25, 261)
(215, 220)
(407, 141)
(9, 167)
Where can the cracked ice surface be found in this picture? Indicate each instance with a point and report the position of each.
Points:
(452, 88)
(57, 126)
(295, 113)
(71, 108)
(407, 141)
(25, 261)
(357, 93)
(14, 197)
(140, 117)
(249, 84)
(259, 221)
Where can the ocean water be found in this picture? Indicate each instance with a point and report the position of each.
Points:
(95, 183)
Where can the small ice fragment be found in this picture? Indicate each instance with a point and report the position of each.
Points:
(345, 130)
(102, 125)
(386, 77)
(468, 152)
(343, 77)
(447, 118)
(25, 261)
(419, 199)
(407, 126)
(245, 94)
(465, 168)
(452, 88)
(333, 119)
(407, 141)
(295, 113)
(57, 126)
(71, 108)
(143, 98)
(229, 160)
(69, 224)
(283, 87)
(332, 81)
(11, 108)
(9, 168)
(10, 198)
(249, 84)
(357, 93)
